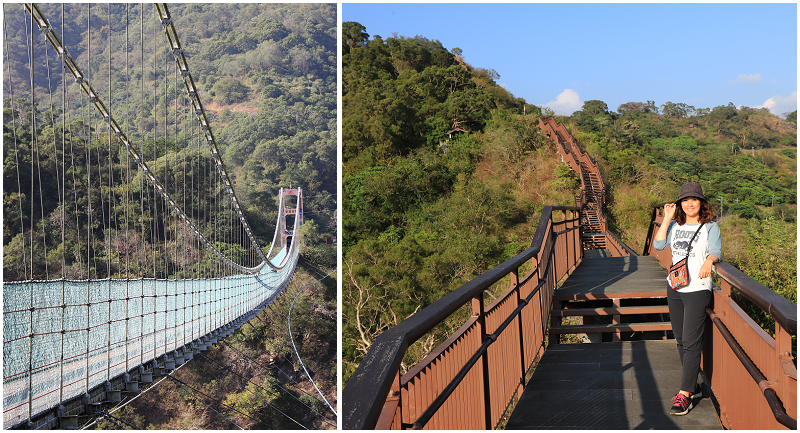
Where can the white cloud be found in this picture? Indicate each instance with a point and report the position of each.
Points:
(743, 78)
(778, 105)
(566, 103)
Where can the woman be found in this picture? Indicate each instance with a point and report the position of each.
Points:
(687, 304)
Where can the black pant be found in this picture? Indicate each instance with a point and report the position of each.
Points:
(687, 312)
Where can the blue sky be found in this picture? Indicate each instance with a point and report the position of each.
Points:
(560, 55)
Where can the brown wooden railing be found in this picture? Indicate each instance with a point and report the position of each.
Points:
(454, 386)
(752, 373)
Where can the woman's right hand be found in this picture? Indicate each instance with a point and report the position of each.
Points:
(669, 211)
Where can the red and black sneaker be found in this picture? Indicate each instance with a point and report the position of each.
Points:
(681, 405)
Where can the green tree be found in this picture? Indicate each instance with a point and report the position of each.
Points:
(230, 91)
(593, 116)
(353, 35)
(677, 110)
(637, 107)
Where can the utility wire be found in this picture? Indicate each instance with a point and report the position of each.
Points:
(137, 395)
(288, 360)
(245, 387)
(112, 421)
(289, 320)
(181, 383)
(222, 368)
(315, 267)
(112, 418)
(212, 398)
(247, 358)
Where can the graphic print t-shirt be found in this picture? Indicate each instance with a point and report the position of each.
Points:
(706, 242)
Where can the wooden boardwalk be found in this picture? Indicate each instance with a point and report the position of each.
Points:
(614, 385)
(601, 276)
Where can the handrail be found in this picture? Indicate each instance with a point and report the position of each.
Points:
(618, 242)
(429, 412)
(652, 227)
(772, 397)
(781, 309)
(377, 371)
(490, 339)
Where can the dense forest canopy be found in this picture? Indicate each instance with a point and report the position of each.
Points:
(266, 75)
(445, 173)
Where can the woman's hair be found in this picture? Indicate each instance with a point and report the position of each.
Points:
(706, 213)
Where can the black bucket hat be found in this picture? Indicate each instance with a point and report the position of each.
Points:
(691, 189)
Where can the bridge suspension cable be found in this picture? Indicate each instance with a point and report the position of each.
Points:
(79, 319)
(177, 52)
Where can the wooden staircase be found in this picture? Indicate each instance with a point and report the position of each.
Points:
(593, 236)
(613, 295)
(592, 197)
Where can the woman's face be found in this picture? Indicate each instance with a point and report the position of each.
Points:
(691, 207)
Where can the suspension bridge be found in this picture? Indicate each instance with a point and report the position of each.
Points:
(505, 366)
(127, 251)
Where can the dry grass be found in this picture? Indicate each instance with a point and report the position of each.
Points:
(250, 107)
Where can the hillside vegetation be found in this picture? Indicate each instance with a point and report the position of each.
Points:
(266, 74)
(445, 174)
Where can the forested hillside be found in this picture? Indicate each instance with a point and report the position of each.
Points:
(445, 173)
(266, 74)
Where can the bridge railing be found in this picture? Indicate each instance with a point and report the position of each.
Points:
(470, 379)
(62, 339)
(751, 372)
(68, 343)
(572, 155)
(616, 247)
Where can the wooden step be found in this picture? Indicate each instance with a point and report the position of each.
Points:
(608, 311)
(618, 327)
(592, 296)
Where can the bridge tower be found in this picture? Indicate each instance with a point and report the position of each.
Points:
(286, 230)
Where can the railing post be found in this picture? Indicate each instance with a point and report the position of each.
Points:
(579, 241)
(616, 319)
(787, 372)
(576, 235)
(480, 319)
(392, 414)
(573, 252)
(514, 275)
(725, 289)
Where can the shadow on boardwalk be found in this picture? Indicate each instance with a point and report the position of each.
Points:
(615, 385)
(623, 385)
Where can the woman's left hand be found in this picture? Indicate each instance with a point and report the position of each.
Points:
(705, 270)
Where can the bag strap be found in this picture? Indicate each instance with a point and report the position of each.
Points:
(689, 249)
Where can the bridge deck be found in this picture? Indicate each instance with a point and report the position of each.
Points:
(609, 386)
(599, 276)
(616, 385)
